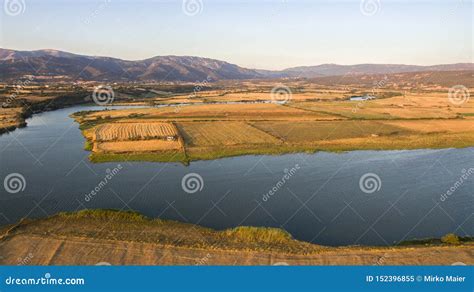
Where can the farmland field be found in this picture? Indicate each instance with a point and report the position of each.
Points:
(10, 118)
(134, 131)
(223, 133)
(313, 119)
(138, 146)
(313, 131)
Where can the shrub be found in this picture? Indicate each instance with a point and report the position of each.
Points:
(450, 239)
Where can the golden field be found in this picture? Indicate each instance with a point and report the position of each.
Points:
(134, 131)
(314, 119)
(134, 137)
(137, 146)
(11, 118)
(223, 134)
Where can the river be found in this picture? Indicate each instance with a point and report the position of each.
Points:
(320, 200)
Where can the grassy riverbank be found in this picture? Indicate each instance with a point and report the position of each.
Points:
(211, 131)
(96, 236)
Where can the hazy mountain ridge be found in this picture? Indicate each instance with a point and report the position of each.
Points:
(335, 69)
(54, 64)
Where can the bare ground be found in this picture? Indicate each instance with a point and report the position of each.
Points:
(47, 250)
(90, 240)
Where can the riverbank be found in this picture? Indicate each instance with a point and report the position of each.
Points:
(13, 115)
(210, 131)
(128, 238)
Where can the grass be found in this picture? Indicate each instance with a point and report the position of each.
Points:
(134, 131)
(88, 145)
(105, 214)
(203, 134)
(259, 234)
(133, 226)
(211, 131)
(151, 156)
(311, 131)
(448, 239)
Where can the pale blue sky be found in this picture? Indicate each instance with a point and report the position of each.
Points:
(255, 34)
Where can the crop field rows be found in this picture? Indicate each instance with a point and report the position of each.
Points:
(208, 131)
(134, 131)
(223, 133)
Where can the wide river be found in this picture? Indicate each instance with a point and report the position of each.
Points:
(320, 200)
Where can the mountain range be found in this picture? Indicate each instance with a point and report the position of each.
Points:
(64, 66)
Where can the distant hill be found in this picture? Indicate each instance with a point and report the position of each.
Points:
(64, 66)
(409, 79)
(67, 66)
(338, 70)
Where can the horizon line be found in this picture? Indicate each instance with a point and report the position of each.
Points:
(245, 67)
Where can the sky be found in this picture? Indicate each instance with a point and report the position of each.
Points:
(255, 34)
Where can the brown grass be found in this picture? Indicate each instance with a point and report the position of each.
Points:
(223, 133)
(10, 118)
(134, 131)
(129, 238)
(434, 126)
(302, 132)
(137, 146)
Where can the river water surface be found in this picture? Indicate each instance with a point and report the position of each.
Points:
(320, 200)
